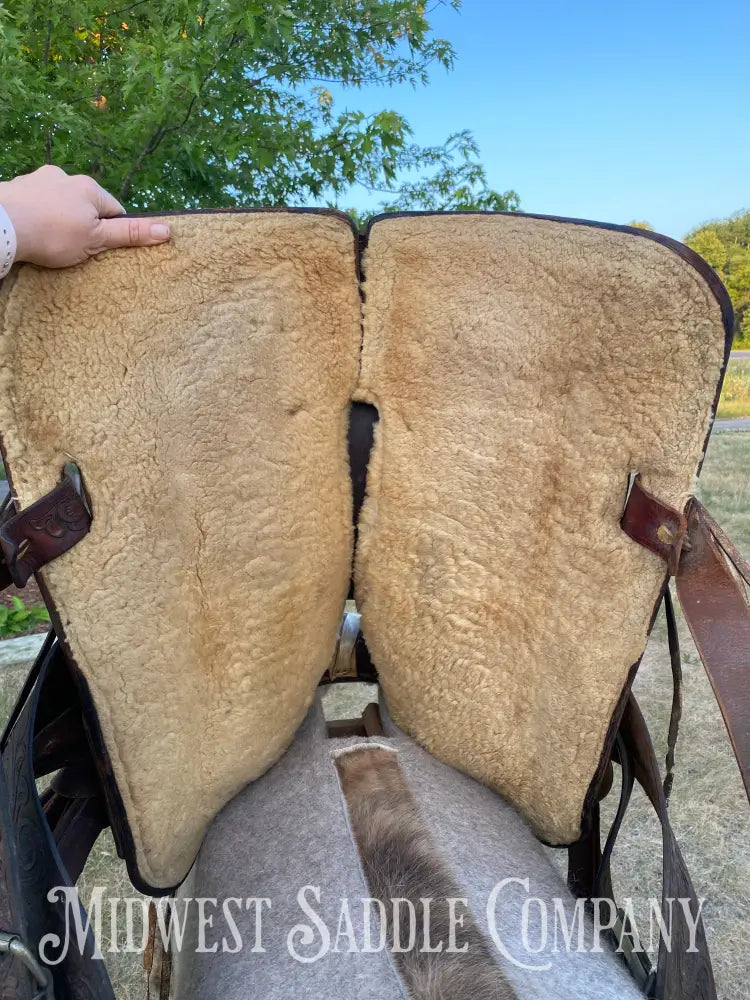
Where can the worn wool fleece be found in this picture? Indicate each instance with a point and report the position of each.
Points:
(523, 369)
(203, 388)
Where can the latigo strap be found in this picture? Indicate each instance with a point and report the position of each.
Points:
(706, 567)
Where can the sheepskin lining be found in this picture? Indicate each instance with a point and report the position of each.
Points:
(203, 388)
(523, 368)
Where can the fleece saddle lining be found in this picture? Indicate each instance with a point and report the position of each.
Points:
(206, 402)
(521, 369)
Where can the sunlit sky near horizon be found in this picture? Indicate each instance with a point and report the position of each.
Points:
(608, 111)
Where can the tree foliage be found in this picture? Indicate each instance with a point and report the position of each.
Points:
(725, 245)
(190, 103)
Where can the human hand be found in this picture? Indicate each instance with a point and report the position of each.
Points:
(60, 220)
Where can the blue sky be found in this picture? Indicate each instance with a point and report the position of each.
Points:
(609, 110)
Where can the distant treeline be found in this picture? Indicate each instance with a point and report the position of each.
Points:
(726, 247)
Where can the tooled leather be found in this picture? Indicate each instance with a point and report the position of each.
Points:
(15, 983)
(43, 531)
(79, 976)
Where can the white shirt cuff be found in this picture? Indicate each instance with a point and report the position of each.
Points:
(7, 243)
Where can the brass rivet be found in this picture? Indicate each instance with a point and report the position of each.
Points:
(664, 534)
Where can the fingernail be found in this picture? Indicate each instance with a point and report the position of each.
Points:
(159, 231)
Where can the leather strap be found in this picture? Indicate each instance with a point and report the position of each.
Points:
(74, 809)
(367, 725)
(712, 599)
(43, 531)
(585, 857)
(38, 862)
(654, 525)
(719, 620)
(585, 854)
(675, 662)
(681, 973)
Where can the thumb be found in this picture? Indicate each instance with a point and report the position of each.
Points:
(125, 232)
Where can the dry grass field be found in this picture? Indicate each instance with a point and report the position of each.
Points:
(735, 394)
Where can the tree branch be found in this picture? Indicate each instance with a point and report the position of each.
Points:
(124, 10)
(47, 131)
(164, 130)
(149, 148)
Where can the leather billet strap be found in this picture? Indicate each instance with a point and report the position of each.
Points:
(367, 725)
(706, 567)
(683, 969)
(43, 531)
(718, 616)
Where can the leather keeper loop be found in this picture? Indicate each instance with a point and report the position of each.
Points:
(655, 525)
(47, 528)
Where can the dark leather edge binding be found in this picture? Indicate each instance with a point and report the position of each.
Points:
(115, 806)
(690, 257)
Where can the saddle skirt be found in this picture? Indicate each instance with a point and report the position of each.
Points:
(523, 368)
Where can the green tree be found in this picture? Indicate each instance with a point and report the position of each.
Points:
(642, 225)
(190, 103)
(706, 242)
(725, 245)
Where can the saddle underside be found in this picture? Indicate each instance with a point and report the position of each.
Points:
(522, 368)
